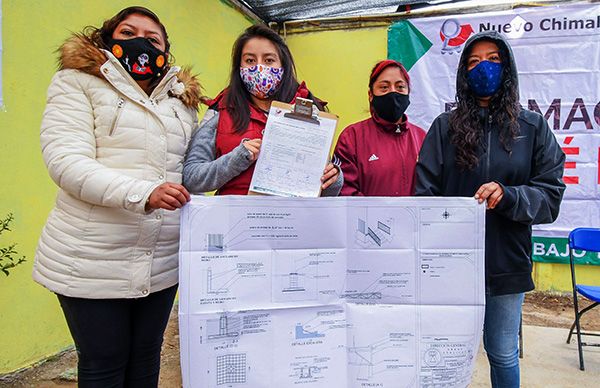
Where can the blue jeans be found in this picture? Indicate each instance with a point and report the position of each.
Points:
(501, 338)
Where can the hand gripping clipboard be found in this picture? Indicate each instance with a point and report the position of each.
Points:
(295, 149)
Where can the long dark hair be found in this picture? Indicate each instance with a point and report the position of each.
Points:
(102, 35)
(466, 122)
(238, 99)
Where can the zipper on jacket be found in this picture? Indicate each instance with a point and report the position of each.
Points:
(489, 148)
(181, 123)
(118, 111)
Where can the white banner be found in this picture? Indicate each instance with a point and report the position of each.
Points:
(557, 50)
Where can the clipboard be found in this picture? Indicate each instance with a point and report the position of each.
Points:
(296, 147)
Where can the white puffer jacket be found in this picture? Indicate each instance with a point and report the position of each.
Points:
(107, 145)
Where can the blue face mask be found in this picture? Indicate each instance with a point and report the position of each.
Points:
(485, 78)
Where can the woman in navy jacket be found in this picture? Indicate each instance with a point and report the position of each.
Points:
(490, 148)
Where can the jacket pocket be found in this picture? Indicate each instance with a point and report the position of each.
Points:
(109, 233)
(117, 116)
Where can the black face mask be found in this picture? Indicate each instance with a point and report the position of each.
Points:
(391, 106)
(139, 57)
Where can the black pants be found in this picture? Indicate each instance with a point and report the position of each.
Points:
(118, 341)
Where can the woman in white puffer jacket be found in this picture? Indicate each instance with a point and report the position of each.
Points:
(114, 133)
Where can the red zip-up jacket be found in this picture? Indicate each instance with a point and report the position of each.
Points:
(377, 161)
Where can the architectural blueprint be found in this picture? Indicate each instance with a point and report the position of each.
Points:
(330, 292)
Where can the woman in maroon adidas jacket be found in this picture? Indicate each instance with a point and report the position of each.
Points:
(378, 155)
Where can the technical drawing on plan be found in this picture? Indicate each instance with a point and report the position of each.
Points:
(374, 235)
(375, 359)
(318, 326)
(225, 281)
(381, 227)
(364, 296)
(227, 326)
(305, 372)
(218, 283)
(382, 276)
(294, 283)
(214, 242)
(373, 231)
(246, 231)
(295, 275)
(446, 363)
(362, 356)
(302, 333)
(231, 368)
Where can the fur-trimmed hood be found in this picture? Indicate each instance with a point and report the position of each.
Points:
(80, 53)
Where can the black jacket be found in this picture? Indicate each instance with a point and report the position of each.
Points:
(531, 176)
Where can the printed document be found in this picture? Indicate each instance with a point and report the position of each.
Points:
(330, 292)
(293, 154)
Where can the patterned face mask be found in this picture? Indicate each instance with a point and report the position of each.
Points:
(139, 57)
(261, 81)
(485, 78)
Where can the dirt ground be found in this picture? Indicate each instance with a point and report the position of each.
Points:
(540, 309)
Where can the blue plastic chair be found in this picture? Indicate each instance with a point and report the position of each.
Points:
(587, 239)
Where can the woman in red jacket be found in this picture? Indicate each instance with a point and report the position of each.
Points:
(378, 155)
(223, 150)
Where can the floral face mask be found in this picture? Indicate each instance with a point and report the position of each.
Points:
(261, 81)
